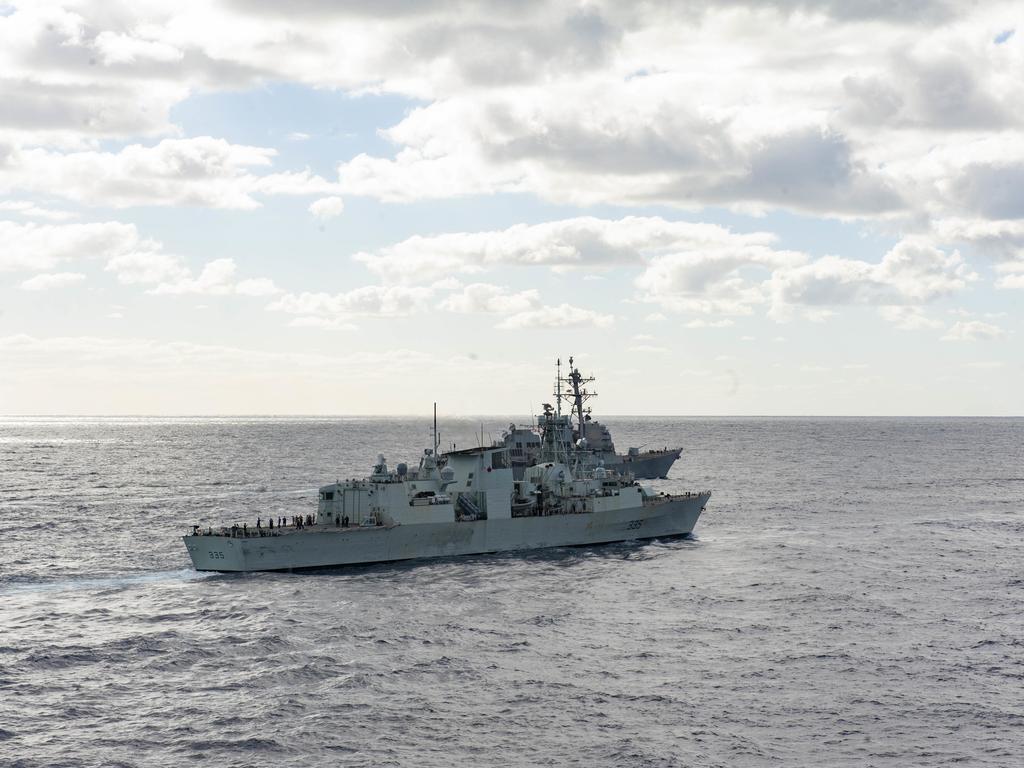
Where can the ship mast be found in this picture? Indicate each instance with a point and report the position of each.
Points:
(577, 394)
(558, 386)
(437, 437)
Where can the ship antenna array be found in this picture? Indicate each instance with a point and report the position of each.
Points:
(437, 435)
(576, 395)
(558, 387)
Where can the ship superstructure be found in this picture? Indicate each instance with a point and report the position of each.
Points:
(459, 503)
(586, 441)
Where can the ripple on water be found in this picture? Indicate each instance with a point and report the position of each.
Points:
(856, 605)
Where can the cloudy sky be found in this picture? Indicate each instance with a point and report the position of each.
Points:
(246, 206)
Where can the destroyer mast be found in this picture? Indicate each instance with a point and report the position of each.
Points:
(576, 395)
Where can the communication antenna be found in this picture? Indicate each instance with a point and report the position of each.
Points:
(558, 387)
(437, 436)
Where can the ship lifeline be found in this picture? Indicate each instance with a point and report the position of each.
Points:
(464, 502)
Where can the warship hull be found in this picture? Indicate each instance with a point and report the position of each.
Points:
(325, 546)
(646, 466)
(653, 465)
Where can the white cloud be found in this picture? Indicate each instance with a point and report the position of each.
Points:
(1002, 240)
(912, 272)
(700, 323)
(216, 278)
(327, 208)
(561, 316)
(370, 300)
(691, 268)
(147, 265)
(973, 330)
(605, 103)
(585, 242)
(34, 211)
(115, 48)
(523, 309)
(1011, 281)
(492, 299)
(258, 286)
(908, 318)
(724, 278)
(46, 281)
(1011, 275)
(39, 247)
(133, 260)
(201, 171)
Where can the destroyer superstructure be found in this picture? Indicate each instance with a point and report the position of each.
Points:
(463, 502)
(587, 439)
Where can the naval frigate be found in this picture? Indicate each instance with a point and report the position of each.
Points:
(458, 503)
(590, 440)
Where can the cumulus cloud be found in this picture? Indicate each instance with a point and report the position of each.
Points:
(132, 259)
(701, 323)
(115, 48)
(327, 207)
(516, 309)
(816, 107)
(579, 242)
(717, 278)
(201, 171)
(257, 286)
(633, 142)
(973, 330)
(561, 316)
(826, 108)
(686, 267)
(370, 300)
(216, 277)
(1000, 240)
(39, 247)
(912, 272)
(908, 318)
(490, 299)
(46, 281)
(33, 210)
(147, 264)
(1011, 276)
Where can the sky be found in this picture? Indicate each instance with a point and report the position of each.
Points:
(364, 207)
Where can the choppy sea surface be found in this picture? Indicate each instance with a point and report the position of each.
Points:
(853, 596)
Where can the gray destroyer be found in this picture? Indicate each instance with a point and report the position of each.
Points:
(459, 503)
(588, 439)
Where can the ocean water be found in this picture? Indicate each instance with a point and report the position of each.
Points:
(853, 596)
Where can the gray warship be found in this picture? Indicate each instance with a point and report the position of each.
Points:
(588, 438)
(462, 502)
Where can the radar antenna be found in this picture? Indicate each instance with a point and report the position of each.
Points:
(577, 394)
